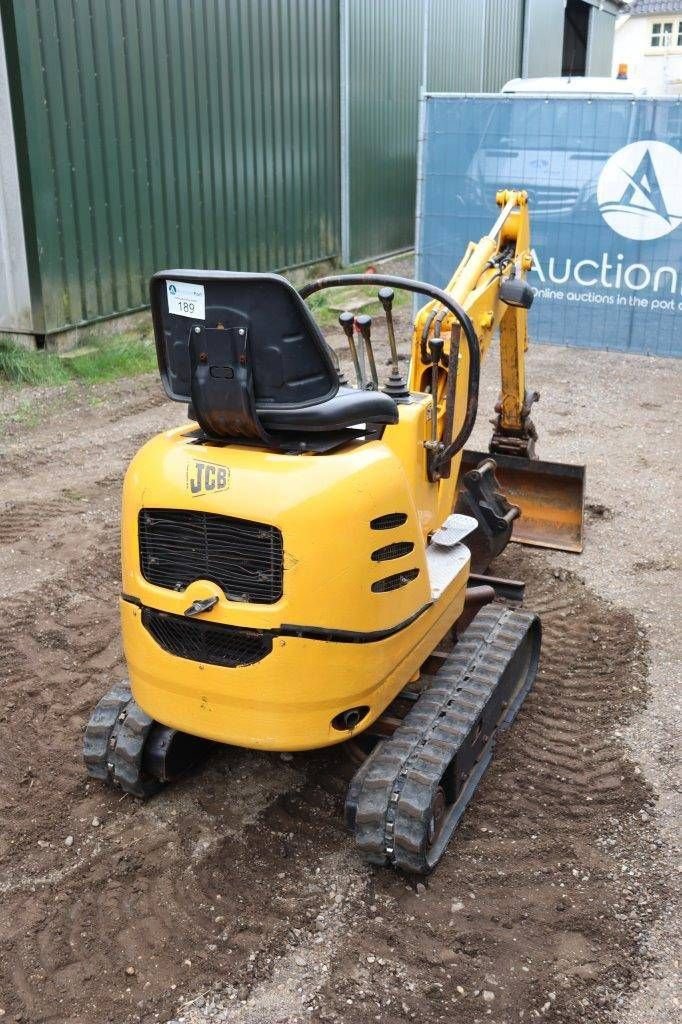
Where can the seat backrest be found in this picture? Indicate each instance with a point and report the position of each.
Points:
(271, 354)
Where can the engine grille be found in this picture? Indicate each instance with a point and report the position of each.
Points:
(390, 551)
(395, 582)
(243, 558)
(388, 522)
(205, 641)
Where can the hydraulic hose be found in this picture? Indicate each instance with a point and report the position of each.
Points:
(422, 288)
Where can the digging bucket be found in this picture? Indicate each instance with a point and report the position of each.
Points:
(550, 495)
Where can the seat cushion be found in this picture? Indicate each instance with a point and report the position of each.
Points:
(347, 408)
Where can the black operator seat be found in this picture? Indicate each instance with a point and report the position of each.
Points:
(347, 408)
(245, 351)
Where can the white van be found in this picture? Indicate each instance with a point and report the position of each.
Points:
(575, 86)
(529, 143)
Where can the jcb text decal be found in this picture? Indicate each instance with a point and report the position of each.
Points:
(206, 477)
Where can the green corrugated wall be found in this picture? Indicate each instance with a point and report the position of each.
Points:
(471, 46)
(157, 136)
(474, 45)
(233, 133)
(382, 42)
(544, 38)
(504, 43)
(455, 45)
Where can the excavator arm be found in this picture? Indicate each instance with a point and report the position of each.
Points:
(489, 284)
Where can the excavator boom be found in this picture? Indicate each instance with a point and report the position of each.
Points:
(489, 284)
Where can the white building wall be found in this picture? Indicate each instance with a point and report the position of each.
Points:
(660, 69)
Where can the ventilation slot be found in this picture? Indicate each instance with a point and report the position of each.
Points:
(244, 558)
(206, 642)
(400, 579)
(389, 522)
(396, 550)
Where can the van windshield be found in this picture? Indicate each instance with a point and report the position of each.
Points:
(555, 125)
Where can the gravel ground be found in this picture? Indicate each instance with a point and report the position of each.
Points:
(236, 895)
(619, 415)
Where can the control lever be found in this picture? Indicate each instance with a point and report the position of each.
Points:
(337, 366)
(395, 386)
(347, 321)
(364, 325)
(450, 396)
(386, 296)
(436, 346)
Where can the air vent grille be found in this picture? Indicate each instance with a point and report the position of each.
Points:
(396, 550)
(206, 642)
(389, 521)
(395, 582)
(244, 558)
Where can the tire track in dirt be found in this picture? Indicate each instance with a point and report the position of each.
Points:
(40, 540)
(65, 418)
(529, 903)
(583, 655)
(41, 536)
(71, 921)
(239, 868)
(245, 869)
(69, 464)
(544, 918)
(17, 518)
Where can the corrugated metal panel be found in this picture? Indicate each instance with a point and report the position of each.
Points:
(382, 97)
(15, 298)
(600, 42)
(503, 43)
(473, 45)
(158, 137)
(455, 45)
(544, 38)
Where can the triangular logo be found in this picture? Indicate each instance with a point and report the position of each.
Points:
(638, 190)
(643, 190)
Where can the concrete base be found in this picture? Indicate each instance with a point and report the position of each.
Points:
(139, 322)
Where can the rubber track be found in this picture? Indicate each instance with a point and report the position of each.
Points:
(128, 752)
(393, 790)
(99, 734)
(114, 741)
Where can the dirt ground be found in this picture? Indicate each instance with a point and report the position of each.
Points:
(236, 895)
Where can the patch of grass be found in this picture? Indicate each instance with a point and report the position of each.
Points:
(20, 366)
(123, 356)
(321, 310)
(105, 359)
(73, 495)
(326, 305)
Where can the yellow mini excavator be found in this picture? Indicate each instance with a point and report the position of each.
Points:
(297, 559)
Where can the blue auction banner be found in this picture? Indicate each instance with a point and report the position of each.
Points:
(604, 179)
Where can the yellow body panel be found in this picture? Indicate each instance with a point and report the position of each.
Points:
(286, 701)
(323, 505)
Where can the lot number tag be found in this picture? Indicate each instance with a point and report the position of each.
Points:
(186, 299)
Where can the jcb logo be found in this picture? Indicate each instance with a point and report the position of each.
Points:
(206, 477)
